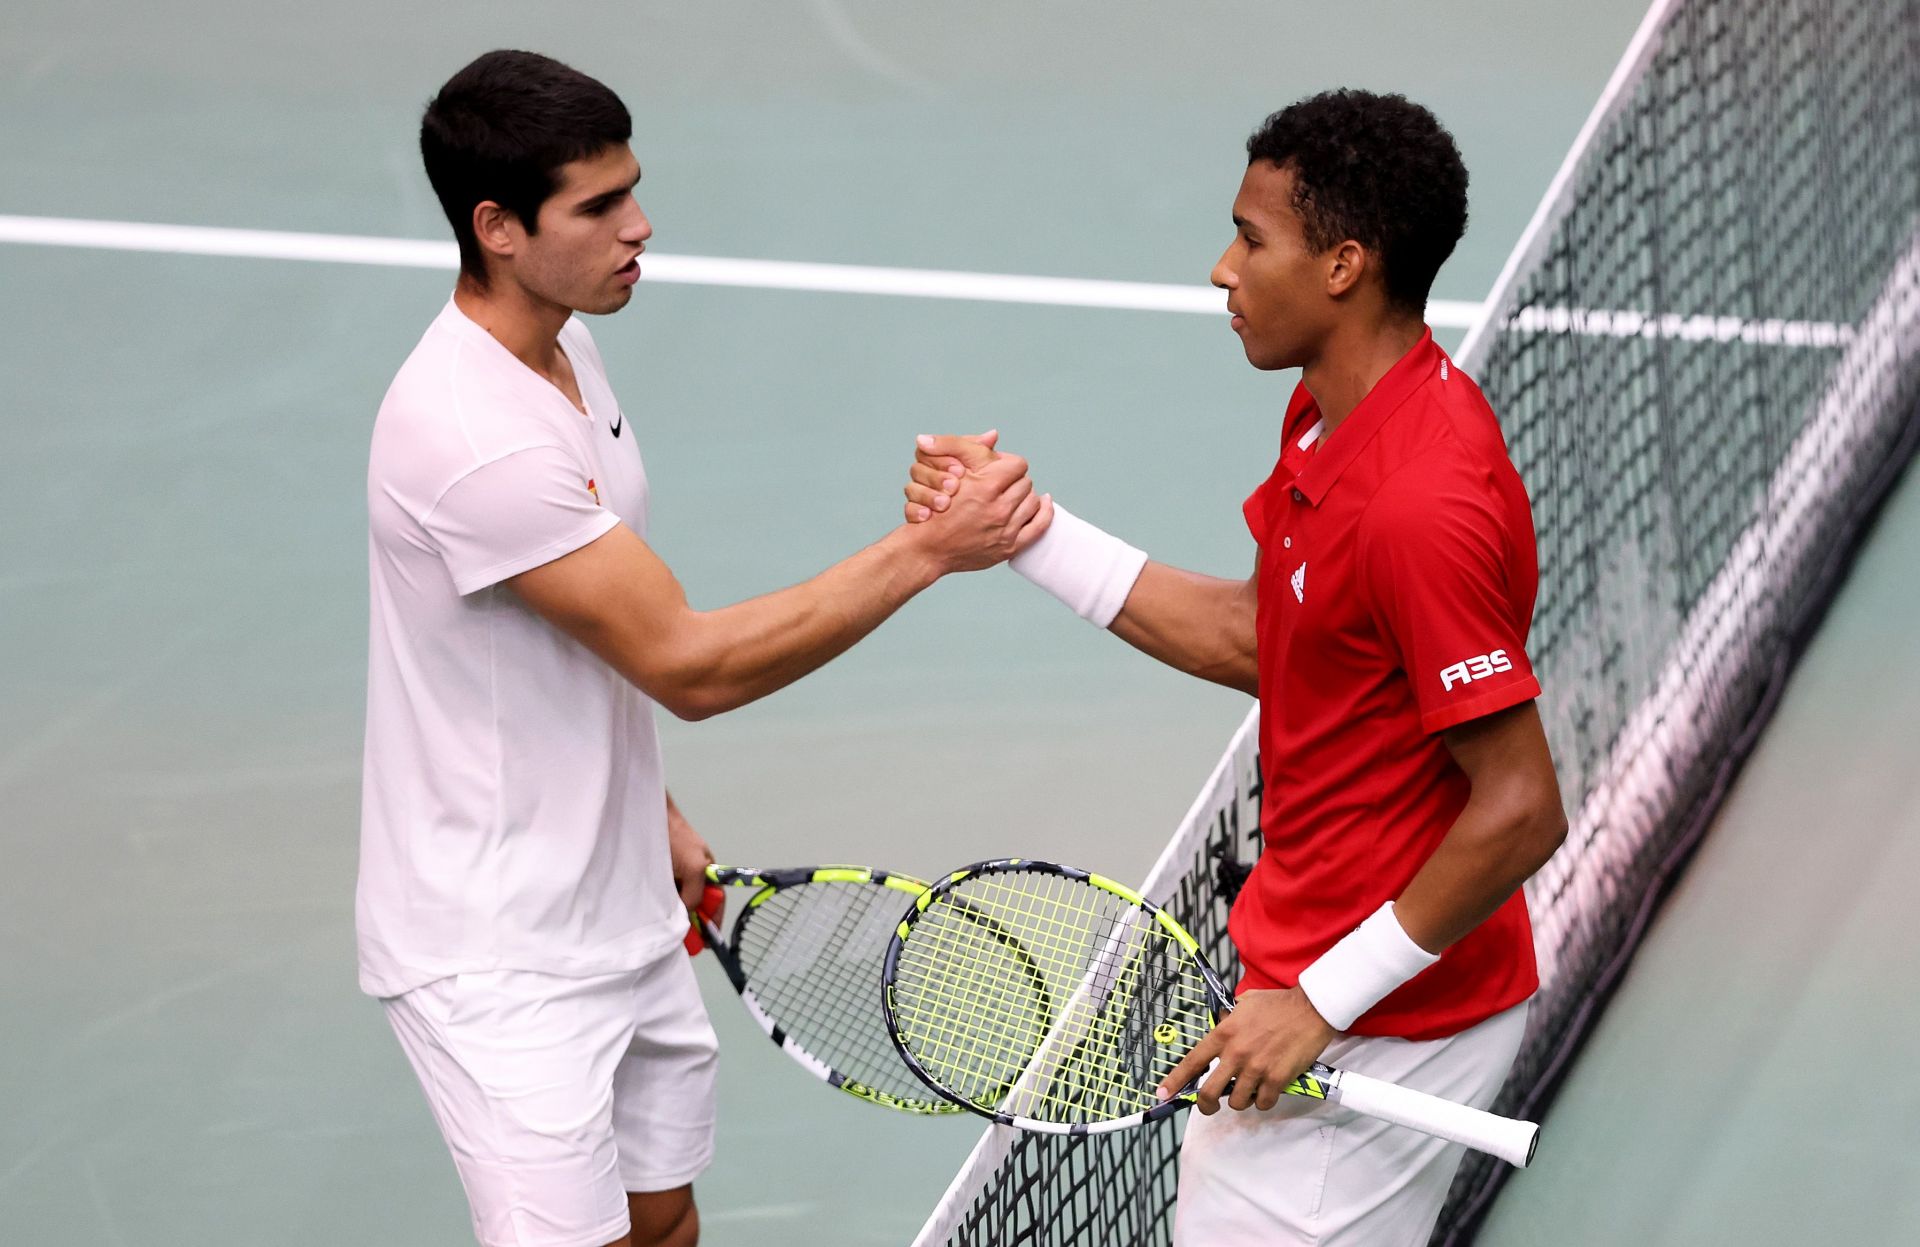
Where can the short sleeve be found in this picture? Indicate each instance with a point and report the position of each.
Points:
(1437, 568)
(514, 513)
(1255, 510)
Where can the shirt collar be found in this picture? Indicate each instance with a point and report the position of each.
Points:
(1341, 447)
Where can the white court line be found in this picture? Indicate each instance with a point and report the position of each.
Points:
(922, 283)
(1558, 201)
(757, 1212)
(693, 270)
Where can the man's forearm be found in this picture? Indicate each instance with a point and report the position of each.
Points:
(618, 598)
(1510, 826)
(1489, 852)
(722, 659)
(1492, 848)
(1201, 625)
(1198, 624)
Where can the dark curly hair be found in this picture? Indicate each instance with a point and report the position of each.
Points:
(499, 130)
(1378, 169)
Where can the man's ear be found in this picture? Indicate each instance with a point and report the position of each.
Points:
(495, 229)
(1347, 264)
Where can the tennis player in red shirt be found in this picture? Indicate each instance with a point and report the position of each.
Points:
(1408, 787)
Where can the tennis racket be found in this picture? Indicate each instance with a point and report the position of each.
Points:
(805, 954)
(1123, 995)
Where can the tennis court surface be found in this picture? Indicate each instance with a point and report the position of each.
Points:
(1703, 348)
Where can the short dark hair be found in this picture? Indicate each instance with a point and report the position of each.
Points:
(1378, 169)
(500, 128)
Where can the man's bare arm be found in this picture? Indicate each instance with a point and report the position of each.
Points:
(1201, 625)
(1511, 825)
(690, 855)
(619, 599)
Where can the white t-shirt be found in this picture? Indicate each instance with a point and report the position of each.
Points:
(513, 813)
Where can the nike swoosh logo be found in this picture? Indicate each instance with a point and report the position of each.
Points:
(618, 416)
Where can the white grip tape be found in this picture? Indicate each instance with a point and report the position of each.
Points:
(1510, 1140)
(1092, 571)
(1363, 969)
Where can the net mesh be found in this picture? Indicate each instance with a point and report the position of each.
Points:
(1706, 357)
(1118, 1188)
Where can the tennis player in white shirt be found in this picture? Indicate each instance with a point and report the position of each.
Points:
(524, 875)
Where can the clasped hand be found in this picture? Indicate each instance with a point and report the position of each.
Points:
(974, 506)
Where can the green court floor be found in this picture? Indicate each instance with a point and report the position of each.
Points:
(183, 598)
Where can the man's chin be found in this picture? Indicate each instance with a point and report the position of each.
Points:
(608, 303)
(1265, 360)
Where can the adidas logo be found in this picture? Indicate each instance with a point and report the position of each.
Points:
(1299, 580)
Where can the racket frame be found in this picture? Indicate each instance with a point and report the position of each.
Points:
(770, 883)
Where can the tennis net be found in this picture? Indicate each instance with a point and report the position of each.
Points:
(1705, 353)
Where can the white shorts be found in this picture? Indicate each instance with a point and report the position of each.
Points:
(558, 1095)
(1306, 1172)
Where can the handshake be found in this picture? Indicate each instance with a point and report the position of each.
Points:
(970, 507)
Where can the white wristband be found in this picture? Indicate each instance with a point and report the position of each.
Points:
(1090, 570)
(1363, 969)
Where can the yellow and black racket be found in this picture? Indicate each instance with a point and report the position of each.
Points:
(805, 957)
(1122, 995)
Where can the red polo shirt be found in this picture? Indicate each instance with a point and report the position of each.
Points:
(1396, 584)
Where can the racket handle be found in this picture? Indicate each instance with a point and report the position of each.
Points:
(1512, 1141)
(702, 921)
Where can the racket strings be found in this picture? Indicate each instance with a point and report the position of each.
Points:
(988, 1040)
(986, 975)
(811, 955)
(1099, 1004)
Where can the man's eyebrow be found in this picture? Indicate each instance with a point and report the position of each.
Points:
(602, 200)
(1242, 222)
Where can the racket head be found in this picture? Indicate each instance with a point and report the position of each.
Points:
(1047, 997)
(804, 955)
